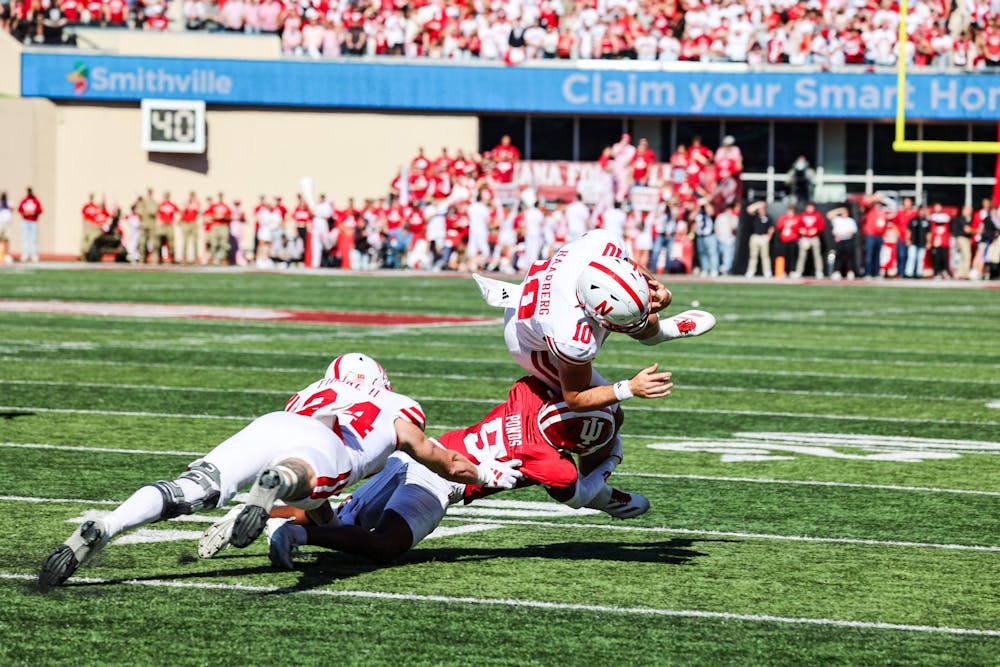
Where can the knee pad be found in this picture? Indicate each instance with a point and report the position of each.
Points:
(175, 500)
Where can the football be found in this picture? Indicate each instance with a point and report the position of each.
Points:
(576, 432)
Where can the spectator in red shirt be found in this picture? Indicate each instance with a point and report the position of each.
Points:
(188, 243)
(166, 214)
(218, 233)
(939, 241)
(91, 226)
(811, 226)
(30, 209)
(505, 156)
(901, 220)
(876, 220)
(642, 162)
(788, 237)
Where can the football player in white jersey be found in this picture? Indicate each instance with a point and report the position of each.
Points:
(333, 433)
(557, 319)
(397, 508)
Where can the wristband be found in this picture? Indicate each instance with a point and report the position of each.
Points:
(623, 392)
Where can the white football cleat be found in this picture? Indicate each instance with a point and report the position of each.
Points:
(686, 324)
(619, 504)
(216, 537)
(87, 540)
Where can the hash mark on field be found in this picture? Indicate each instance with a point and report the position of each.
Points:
(532, 604)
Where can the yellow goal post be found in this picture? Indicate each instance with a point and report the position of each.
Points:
(901, 143)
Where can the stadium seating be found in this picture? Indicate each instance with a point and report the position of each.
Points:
(833, 34)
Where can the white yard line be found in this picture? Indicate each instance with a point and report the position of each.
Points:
(751, 536)
(109, 450)
(649, 475)
(514, 373)
(473, 378)
(687, 354)
(530, 604)
(637, 529)
(807, 482)
(120, 413)
(665, 411)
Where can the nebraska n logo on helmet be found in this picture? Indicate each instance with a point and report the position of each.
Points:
(359, 368)
(613, 292)
(576, 432)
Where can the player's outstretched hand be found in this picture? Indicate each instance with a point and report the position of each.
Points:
(659, 296)
(648, 383)
(499, 474)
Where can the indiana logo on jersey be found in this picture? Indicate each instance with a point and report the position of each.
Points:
(576, 432)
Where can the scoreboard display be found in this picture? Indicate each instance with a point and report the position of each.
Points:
(173, 126)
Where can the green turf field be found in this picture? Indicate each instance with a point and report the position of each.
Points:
(825, 483)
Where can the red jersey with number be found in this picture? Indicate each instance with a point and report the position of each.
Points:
(116, 11)
(220, 214)
(875, 223)
(788, 227)
(30, 208)
(510, 431)
(71, 10)
(811, 224)
(641, 163)
(302, 216)
(190, 213)
(364, 416)
(167, 212)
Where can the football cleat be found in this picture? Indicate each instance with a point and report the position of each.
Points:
(620, 504)
(216, 537)
(283, 545)
(81, 546)
(688, 323)
(250, 521)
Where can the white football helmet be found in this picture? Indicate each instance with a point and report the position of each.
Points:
(614, 292)
(360, 368)
(576, 432)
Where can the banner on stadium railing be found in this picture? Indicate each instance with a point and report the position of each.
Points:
(586, 88)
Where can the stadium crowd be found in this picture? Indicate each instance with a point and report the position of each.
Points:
(964, 33)
(466, 213)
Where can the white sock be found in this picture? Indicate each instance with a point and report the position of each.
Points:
(142, 507)
(146, 506)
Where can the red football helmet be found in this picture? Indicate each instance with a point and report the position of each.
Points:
(576, 432)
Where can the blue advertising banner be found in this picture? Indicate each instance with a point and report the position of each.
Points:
(479, 88)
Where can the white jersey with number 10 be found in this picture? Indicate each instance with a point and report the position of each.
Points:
(549, 318)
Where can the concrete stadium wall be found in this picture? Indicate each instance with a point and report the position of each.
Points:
(10, 66)
(180, 43)
(66, 151)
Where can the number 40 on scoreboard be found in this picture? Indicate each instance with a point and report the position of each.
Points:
(173, 126)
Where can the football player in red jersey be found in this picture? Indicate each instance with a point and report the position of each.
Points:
(405, 502)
